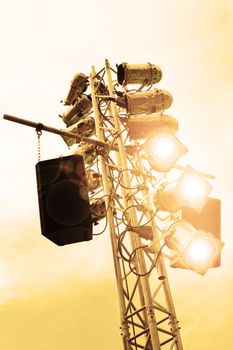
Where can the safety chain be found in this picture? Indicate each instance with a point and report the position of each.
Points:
(39, 133)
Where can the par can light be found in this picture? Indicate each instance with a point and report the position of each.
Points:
(192, 249)
(142, 126)
(79, 110)
(84, 127)
(78, 86)
(146, 74)
(163, 149)
(146, 102)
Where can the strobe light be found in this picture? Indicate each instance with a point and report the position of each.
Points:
(163, 149)
(192, 249)
(143, 126)
(146, 74)
(145, 102)
(84, 127)
(78, 85)
(77, 111)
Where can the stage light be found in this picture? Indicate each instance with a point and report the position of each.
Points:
(145, 102)
(98, 209)
(84, 127)
(142, 126)
(88, 151)
(79, 84)
(146, 74)
(79, 110)
(163, 149)
(190, 190)
(192, 249)
(93, 180)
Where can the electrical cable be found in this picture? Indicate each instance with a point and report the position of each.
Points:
(153, 264)
(137, 226)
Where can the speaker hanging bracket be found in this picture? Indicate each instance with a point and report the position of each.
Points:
(39, 129)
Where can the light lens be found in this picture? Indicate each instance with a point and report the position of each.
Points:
(192, 189)
(163, 150)
(201, 252)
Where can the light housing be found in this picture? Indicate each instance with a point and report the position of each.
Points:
(191, 189)
(192, 249)
(145, 102)
(146, 74)
(78, 85)
(77, 111)
(163, 149)
(84, 127)
(141, 126)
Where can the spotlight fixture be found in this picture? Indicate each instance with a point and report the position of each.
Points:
(88, 151)
(77, 111)
(98, 209)
(142, 126)
(190, 190)
(146, 102)
(84, 127)
(193, 189)
(163, 149)
(78, 86)
(192, 249)
(146, 74)
(93, 180)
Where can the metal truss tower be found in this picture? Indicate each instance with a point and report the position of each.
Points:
(147, 314)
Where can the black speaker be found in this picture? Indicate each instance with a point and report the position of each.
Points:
(63, 200)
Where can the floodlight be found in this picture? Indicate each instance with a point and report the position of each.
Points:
(98, 209)
(146, 74)
(191, 190)
(192, 249)
(93, 180)
(141, 126)
(88, 151)
(79, 84)
(84, 127)
(80, 108)
(145, 102)
(163, 149)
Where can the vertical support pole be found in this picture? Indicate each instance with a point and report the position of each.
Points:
(107, 191)
(139, 256)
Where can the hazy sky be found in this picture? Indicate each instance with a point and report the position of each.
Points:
(55, 298)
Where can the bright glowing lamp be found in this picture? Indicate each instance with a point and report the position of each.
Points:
(192, 189)
(192, 249)
(163, 150)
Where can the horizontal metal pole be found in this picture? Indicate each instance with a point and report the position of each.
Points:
(40, 126)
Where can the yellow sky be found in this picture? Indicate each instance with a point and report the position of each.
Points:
(65, 297)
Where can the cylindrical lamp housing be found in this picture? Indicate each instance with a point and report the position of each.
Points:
(84, 127)
(142, 126)
(146, 74)
(78, 85)
(77, 111)
(166, 200)
(147, 102)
